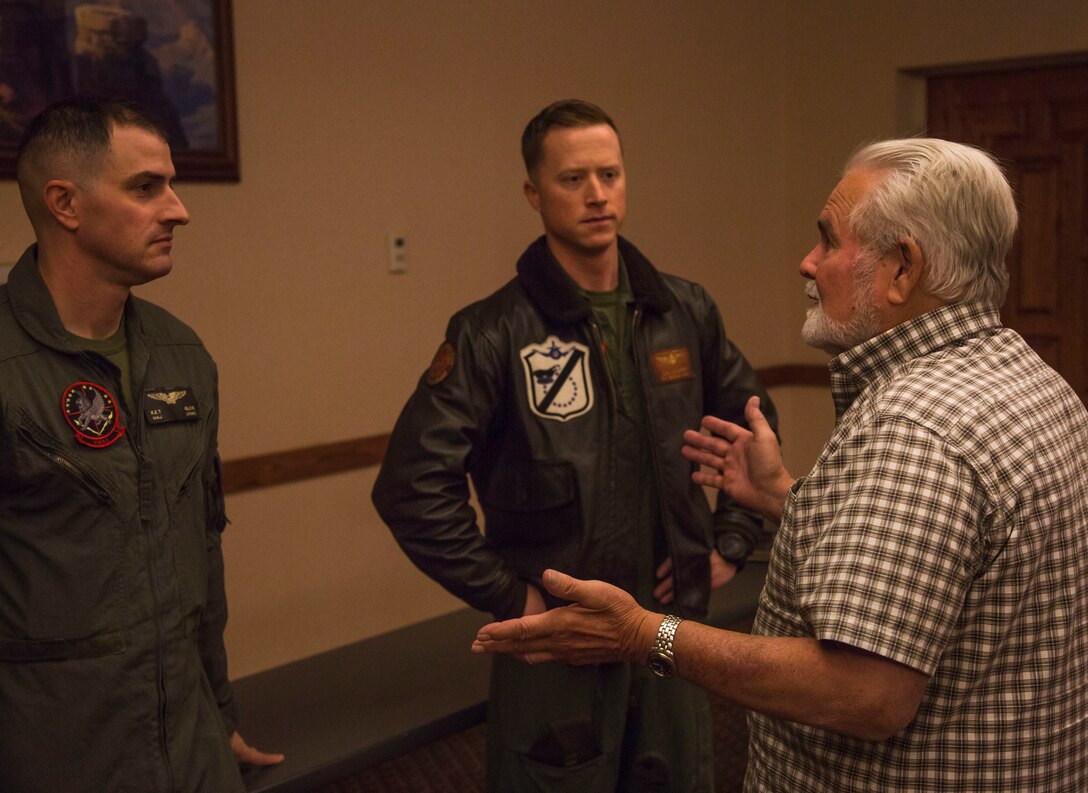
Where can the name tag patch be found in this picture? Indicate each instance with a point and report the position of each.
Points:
(672, 365)
(177, 403)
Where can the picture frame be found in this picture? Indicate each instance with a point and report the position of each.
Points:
(176, 60)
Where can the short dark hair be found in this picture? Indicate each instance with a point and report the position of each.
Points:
(80, 127)
(564, 113)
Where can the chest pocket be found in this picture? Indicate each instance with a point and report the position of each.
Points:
(181, 447)
(62, 548)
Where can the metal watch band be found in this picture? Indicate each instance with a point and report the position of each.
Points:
(665, 635)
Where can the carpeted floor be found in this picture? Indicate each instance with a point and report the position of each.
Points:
(456, 763)
(453, 765)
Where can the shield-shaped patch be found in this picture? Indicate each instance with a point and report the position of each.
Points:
(557, 378)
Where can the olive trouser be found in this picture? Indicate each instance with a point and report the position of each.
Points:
(595, 729)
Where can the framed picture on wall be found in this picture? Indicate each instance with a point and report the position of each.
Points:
(175, 59)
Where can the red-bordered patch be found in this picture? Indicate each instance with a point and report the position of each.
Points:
(91, 411)
(441, 365)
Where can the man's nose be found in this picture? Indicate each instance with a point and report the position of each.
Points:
(808, 265)
(175, 213)
(595, 191)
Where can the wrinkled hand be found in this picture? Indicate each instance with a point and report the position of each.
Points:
(534, 601)
(247, 755)
(721, 572)
(602, 624)
(747, 464)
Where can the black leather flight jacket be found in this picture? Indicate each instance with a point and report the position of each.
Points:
(559, 491)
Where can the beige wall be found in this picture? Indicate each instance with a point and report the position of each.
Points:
(358, 118)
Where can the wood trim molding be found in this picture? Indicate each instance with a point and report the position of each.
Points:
(278, 468)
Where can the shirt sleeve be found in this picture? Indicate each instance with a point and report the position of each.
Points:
(889, 571)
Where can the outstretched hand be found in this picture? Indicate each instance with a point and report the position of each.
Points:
(602, 624)
(746, 464)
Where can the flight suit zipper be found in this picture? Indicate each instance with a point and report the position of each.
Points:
(145, 506)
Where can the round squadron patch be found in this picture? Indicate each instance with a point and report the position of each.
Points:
(442, 364)
(91, 411)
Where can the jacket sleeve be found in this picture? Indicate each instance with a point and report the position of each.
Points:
(730, 382)
(422, 490)
(213, 653)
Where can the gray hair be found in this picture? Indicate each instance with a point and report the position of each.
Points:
(953, 200)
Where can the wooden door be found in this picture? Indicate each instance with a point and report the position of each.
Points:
(1035, 121)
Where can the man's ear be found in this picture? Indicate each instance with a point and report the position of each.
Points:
(910, 267)
(532, 194)
(60, 202)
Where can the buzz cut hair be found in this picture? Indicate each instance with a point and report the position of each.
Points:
(76, 130)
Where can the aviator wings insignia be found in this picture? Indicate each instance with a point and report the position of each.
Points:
(169, 397)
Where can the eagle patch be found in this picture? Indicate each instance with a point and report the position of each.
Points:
(91, 411)
(557, 379)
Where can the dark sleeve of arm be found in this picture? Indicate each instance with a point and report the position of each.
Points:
(422, 490)
(213, 653)
(730, 382)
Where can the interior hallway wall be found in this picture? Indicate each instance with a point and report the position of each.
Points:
(361, 118)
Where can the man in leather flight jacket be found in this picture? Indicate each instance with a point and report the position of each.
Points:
(565, 395)
(113, 673)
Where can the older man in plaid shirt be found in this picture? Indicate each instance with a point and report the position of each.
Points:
(924, 625)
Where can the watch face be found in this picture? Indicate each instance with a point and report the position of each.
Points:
(733, 548)
(661, 664)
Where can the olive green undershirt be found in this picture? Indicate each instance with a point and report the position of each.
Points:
(115, 350)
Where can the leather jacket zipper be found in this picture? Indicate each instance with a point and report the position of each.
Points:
(598, 341)
(635, 318)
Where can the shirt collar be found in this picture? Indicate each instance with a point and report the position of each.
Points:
(880, 356)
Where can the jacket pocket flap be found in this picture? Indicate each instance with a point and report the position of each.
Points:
(531, 487)
(17, 650)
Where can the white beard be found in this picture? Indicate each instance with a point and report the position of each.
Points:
(833, 337)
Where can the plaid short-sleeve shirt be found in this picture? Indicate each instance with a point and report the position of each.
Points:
(944, 526)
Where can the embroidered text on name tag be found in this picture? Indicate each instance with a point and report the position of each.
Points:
(177, 403)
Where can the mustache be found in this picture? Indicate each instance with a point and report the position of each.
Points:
(811, 291)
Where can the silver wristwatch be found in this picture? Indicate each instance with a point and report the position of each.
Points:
(661, 661)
